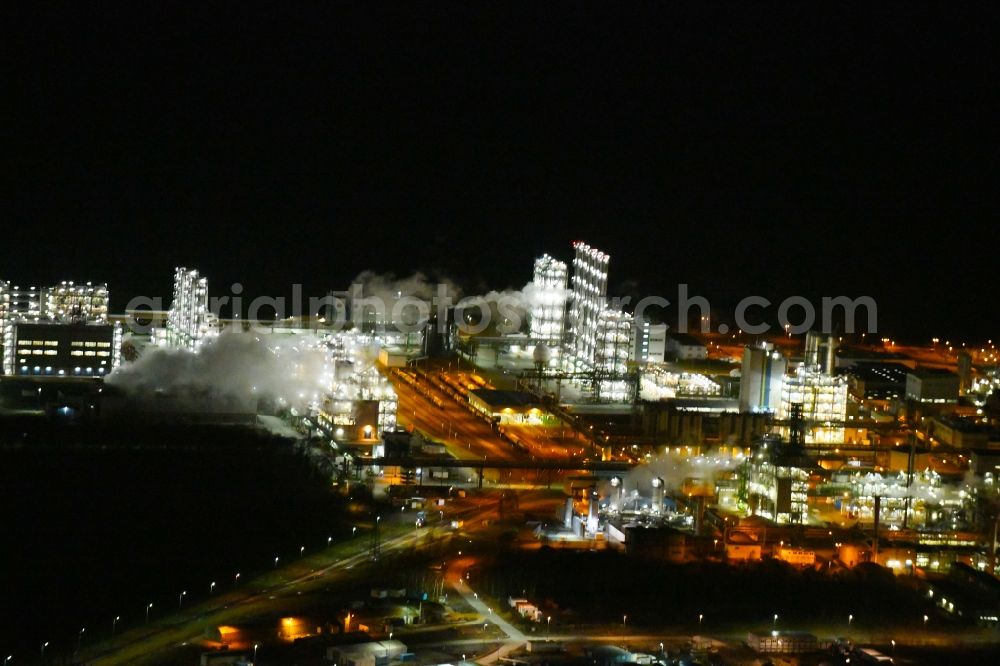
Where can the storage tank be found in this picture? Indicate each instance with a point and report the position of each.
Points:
(658, 489)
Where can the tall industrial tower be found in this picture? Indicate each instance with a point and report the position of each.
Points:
(189, 321)
(548, 300)
(590, 289)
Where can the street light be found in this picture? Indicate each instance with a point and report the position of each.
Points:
(148, 606)
(236, 579)
(700, 618)
(180, 598)
(302, 551)
(114, 624)
(329, 540)
(255, 646)
(774, 623)
(44, 645)
(850, 619)
(9, 657)
(353, 530)
(79, 637)
(925, 620)
(548, 625)
(276, 562)
(211, 588)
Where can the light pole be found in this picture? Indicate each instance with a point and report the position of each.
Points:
(276, 562)
(774, 622)
(548, 625)
(180, 598)
(114, 624)
(148, 606)
(302, 551)
(925, 620)
(255, 646)
(700, 618)
(9, 657)
(44, 645)
(211, 588)
(329, 541)
(354, 530)
(850, 619)
(79, 637)
(236, 579)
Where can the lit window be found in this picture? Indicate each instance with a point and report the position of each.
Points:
(76, 352)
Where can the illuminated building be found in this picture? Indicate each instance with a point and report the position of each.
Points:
(611, 352)
(648, 341)
(776, 483)
(824, 403)
(590, 287)
(189, 322)
(69, 302)
(548, 300)
(660, 384)
(50, 331)
(357, 403)
(762, 374)
(55, 349)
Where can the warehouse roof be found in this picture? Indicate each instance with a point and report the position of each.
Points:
(501, 399)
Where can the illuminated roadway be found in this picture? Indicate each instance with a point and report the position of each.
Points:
(468, 436)
(152, 641)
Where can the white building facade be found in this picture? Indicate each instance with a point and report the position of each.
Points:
(590, 288)
(189, 322)
(548, 300)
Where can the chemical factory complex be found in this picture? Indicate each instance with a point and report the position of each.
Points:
(558, 422)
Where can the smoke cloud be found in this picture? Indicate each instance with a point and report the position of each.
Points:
(234, 369)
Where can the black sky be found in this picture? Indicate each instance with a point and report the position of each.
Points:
(777, 153)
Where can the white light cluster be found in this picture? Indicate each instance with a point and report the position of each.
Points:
(189, 322)
(590, 286)
(548, 306)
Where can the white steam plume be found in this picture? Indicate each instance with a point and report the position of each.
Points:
(234, 368)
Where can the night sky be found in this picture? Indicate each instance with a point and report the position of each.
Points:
(739, 152)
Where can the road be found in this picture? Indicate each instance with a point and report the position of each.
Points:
(256, 598)
(515, 637)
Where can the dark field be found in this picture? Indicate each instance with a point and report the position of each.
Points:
(98, 522)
